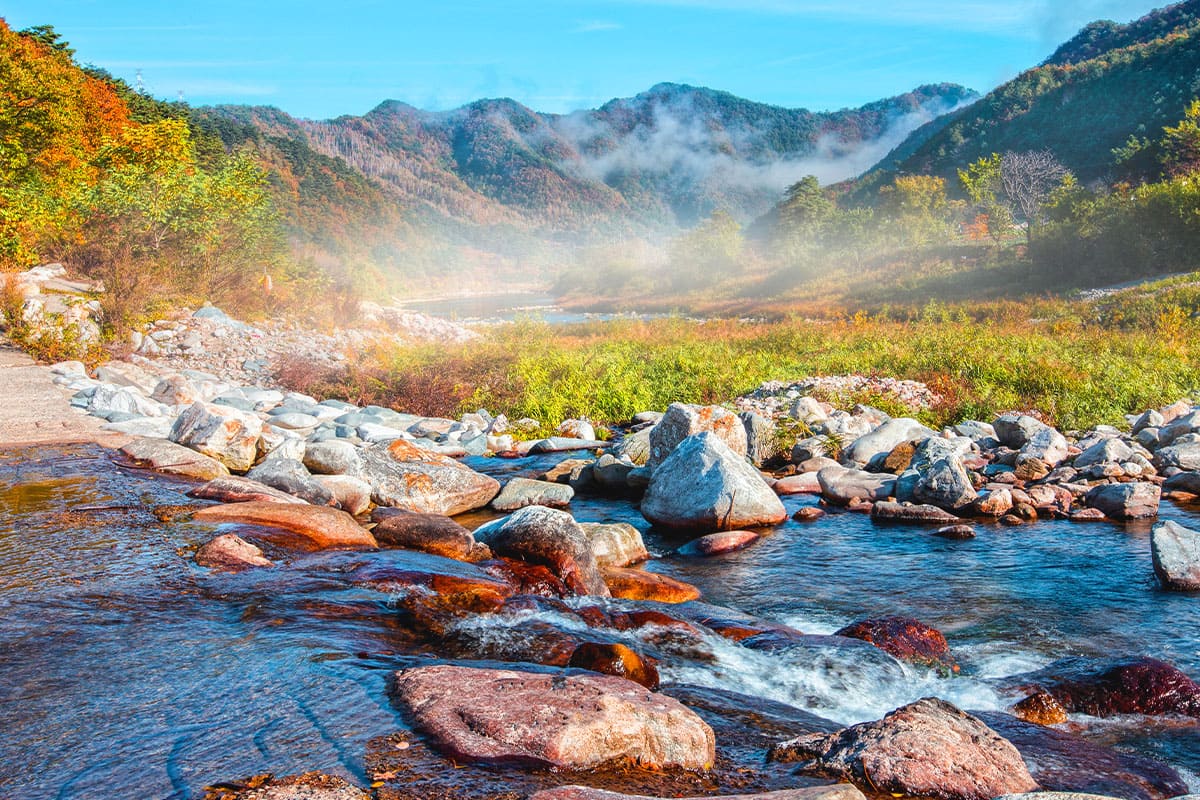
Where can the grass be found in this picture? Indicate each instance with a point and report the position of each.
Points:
(1077, 363)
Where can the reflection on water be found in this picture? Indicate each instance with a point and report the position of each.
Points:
(131, 672)
(509, 307)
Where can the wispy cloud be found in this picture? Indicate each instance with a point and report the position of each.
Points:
(596, 26)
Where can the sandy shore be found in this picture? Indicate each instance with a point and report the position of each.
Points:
(35, 411)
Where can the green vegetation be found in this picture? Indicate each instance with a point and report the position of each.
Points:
(1080, 363)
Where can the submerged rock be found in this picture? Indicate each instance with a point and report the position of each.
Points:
(428, 533)
(928, 748)
(558, 720)
(715, 544)
(321, 525)
(1106, 689)
(230, 552)
(704, 484)
(1176, 554)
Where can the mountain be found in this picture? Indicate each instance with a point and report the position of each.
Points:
(666, 157)
(1106, 84)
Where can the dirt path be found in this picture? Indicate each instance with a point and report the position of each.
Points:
(35, 411)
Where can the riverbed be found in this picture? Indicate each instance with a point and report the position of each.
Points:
(129, 671)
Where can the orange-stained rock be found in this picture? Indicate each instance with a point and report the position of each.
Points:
(636, 584)
(403, 475)
(429, 533)
(1040, 708)
(321, 525)
(526, 578)
(616, 659)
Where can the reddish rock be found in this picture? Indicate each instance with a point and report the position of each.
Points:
(714, 544)
(995, 503)
(906, 639)
(888, 511)
(803, 483)
(616, 659)
(955, 532)
(808, 514)
(1026, 512)
(309, 786)
(428, 533)
(532, 579)
(1144, 686)
(321, 525)
(636, 584)
(236, 489)
(551, 538)
(1040, 708)
(1062, 762)
(1126, 501)
(928, 749)
(559, 721)
(841, 791)
(1087, 515)
(229, 552)
(1052, 498)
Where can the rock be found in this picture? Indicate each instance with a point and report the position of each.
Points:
(331, 457)
(612, 474)
(616, 659)
(715, 544)
(222, 432)
(1183, 482)
(703, 484)
(322, 526)
(898, 512)
(762, 440)
(808, 514)
(683, 421)
(403, 475)
(309, 786)
(616, 544)
(1125, 500)
(351, 494)
(552, 538)
(1046, 445)
(289, 475)
(1015, 430)
(885, 438)
(944, 481)
(1040, 708)
(229, 552)
(1184, 455)
(1106, 689)
(1106, 451)
(840, 485)
(636, 584)
(108, 399)
(906, 639)
(559, 444)
(173, 459)
(1087, 515)
(1175, 551)
(802, 483)
(635, 446)
(575, 472)
(955, 532)
(996, 503)
(841, 791)
(577, 429)
(808, 410)
(552, 720)
(429, 533)
(236, 489)
(521, 492)
(928, 748)
(1063, 762)
(175, 390)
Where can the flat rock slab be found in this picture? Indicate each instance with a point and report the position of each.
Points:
(236, 489)
(321, 525)
(173, 459)
(403, 475)
(521, 492)
(840, 791)
(552, 720)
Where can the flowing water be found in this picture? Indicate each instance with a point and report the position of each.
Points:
(130, 672)
(509, 307)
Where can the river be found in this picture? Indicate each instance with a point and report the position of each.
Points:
(131, 672)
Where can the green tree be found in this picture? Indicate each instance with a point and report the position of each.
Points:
(707, 253)
(982, 182)
(1180, 143)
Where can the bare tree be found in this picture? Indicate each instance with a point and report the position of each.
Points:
(1027, 179)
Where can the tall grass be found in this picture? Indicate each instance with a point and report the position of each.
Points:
(982, 359)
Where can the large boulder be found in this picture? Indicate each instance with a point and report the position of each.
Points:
(1176, 553)
(403, 475)
(1182, 455)
(762, 438)
(289, 476)
(1015, 430)
(885, 438)
(682, 421)
(1110, 450)
(173, 459)
(552, 538)
(942, 479)
(1125, 501)
(321, 526)
(705, 485)
(561, 721)
(1046, 445)
(841, 486)
(222, 432)
(928, 749)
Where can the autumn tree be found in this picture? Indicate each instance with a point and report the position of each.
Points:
(982, 182)
(919, 207)
(1180, 144)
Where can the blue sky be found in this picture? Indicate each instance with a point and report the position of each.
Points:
(320, 60)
